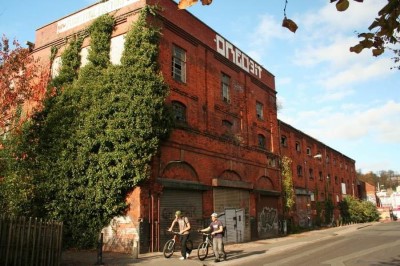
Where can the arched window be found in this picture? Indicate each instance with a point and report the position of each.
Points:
(299, 170)
(284, 141)
(298, 147)
(179, 111)
(261, 141)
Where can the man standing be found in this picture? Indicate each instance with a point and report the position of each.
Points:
(216, 229)
(184, 228)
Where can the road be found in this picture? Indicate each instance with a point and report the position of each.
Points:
(371, 245)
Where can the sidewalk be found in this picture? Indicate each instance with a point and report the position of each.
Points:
(236, 252)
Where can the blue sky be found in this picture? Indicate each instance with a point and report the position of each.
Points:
(349, 102)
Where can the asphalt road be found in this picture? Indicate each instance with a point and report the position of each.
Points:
(370, 245)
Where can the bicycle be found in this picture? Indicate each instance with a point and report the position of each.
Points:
(202, 250)
(169, 247)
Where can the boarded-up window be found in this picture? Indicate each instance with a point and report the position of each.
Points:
(84, 56)
(55, 67)
(117, 47)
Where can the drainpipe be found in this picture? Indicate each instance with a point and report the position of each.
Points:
(152, 223)
(158, 222)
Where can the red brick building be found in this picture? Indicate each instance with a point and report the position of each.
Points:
(224, 156)
(320, 173)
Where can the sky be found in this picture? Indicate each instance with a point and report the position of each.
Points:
(350, 102)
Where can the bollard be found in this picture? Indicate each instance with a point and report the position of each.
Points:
(284, 227)
(135, 249)
(100, 250)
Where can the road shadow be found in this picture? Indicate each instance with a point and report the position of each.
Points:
(237, 254)
(390, 262)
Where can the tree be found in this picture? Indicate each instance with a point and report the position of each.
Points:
(386, 27)
(369, 177)
(353, 210)
(23, 84)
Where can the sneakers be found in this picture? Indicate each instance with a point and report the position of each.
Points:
(187, 255)
(224, 256)
(182, 258)
(216, 260)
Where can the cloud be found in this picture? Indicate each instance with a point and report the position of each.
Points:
(378, 123)
(267, 30)
(328, 20)
(346, 100)
(357, 72)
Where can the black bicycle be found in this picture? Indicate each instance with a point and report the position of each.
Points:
(169, 247)
(202, 250)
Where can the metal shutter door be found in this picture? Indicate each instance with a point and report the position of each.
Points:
(267, 216)
(187, 201)
(231, 201)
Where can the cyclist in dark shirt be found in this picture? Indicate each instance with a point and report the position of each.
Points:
(216, 229)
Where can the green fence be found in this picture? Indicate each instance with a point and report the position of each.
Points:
(30, 241)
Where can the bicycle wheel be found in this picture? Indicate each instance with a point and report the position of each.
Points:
(202, 251)
(169, 248)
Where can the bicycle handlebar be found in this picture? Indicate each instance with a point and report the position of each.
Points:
(175, 232)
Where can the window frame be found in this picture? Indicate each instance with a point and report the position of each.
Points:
(284, 141)
(179, 106)
(178, 67)
(299, 170)
(298, 146)
(225, 87)
(259, 110)
(262, 141)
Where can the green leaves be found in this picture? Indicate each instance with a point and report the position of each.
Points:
(100, 34)
(385, 32)
(94, 140)
(289, 196)
(357, 211)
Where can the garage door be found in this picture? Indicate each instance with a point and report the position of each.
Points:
(267, 216)
(187, 201)
(233, 204)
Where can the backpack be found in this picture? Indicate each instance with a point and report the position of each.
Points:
(223, 230)
(184, 220)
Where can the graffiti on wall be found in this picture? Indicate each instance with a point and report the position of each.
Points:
(267, 221)
(304, 218)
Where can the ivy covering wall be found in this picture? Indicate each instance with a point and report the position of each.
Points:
(287, 183)
(94, 140)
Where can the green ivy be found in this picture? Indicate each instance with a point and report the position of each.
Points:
(100, 33)
(287, 184)
(95, 139)
(71, 61)
(329, 207)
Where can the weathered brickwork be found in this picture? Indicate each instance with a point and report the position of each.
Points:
(318, 170)
(218, 148)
